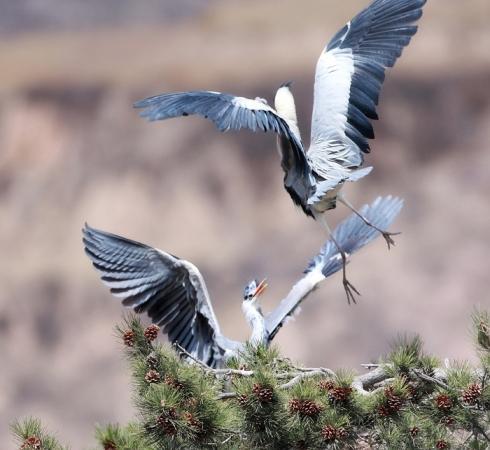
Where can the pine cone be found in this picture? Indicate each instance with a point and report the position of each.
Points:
(172, 413)
(152, 376)
(326, 385)
(31, 443)
(169, 381)
(309, 408)
(340, 394)
(472, 394)
(264, 394)
(444, 402)
(384, 411)
(447, 421)
(342, 433)
(128, 338)
(193, 422)
(412, 393)
(393, 401)
(151, 332)
(152, 361)
(242, 399)
(295, 405)
(442, 444)
(304, 407)
(109, 445)
(329, 433)
(414, 431)
(167, 426)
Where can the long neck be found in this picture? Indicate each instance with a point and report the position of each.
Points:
(284, 104)
(256, 322)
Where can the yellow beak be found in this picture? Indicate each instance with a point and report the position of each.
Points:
(261, 288)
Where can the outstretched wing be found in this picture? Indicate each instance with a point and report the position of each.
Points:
(352, 234)
(227, 111)
(348, 80)
(170, 290)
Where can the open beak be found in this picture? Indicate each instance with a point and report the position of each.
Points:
(261, 288)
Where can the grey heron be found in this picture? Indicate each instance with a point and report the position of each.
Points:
(348, 79)
(172, 291)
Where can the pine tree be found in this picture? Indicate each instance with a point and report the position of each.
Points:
(262, 400)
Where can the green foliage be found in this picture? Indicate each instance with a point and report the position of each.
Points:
(265, 401)
(407, 354)
(31, 436)
(481, 329)
(130, 437)
(176, 401)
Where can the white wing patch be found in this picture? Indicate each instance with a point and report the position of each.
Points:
(250, 104)
(332, 89)
(332, 153)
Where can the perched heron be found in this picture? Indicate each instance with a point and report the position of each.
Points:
(173, 293)
(348, 79)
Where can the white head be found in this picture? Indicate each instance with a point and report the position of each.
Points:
(284, 103)
(252, 291)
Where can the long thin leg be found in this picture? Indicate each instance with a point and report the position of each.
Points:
(386, 234)
(348, 286)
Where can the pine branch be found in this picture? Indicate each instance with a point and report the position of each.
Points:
(264, 401)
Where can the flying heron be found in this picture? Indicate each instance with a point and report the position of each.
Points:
(173, 293)
(348, 79)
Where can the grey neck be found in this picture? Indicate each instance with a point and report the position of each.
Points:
(256, 321)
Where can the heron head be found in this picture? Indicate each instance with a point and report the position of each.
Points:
(253, 290)
(284, 102)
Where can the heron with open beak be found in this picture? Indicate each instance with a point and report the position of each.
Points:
(172, 291)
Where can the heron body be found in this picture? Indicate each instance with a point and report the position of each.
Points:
(172, 291)
(348, 78)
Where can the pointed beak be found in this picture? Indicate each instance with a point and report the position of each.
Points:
(261, 288)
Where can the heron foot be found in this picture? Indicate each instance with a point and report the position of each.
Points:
(350, 290)
(387, 237)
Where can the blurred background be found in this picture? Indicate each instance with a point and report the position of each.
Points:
(72, 150)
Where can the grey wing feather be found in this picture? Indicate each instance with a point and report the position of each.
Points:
(227, 112)
(352, 234)
(349, 76)
(170, 290)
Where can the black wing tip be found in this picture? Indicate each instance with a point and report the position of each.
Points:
(101, 235)
(414, 3)
(419, 3)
